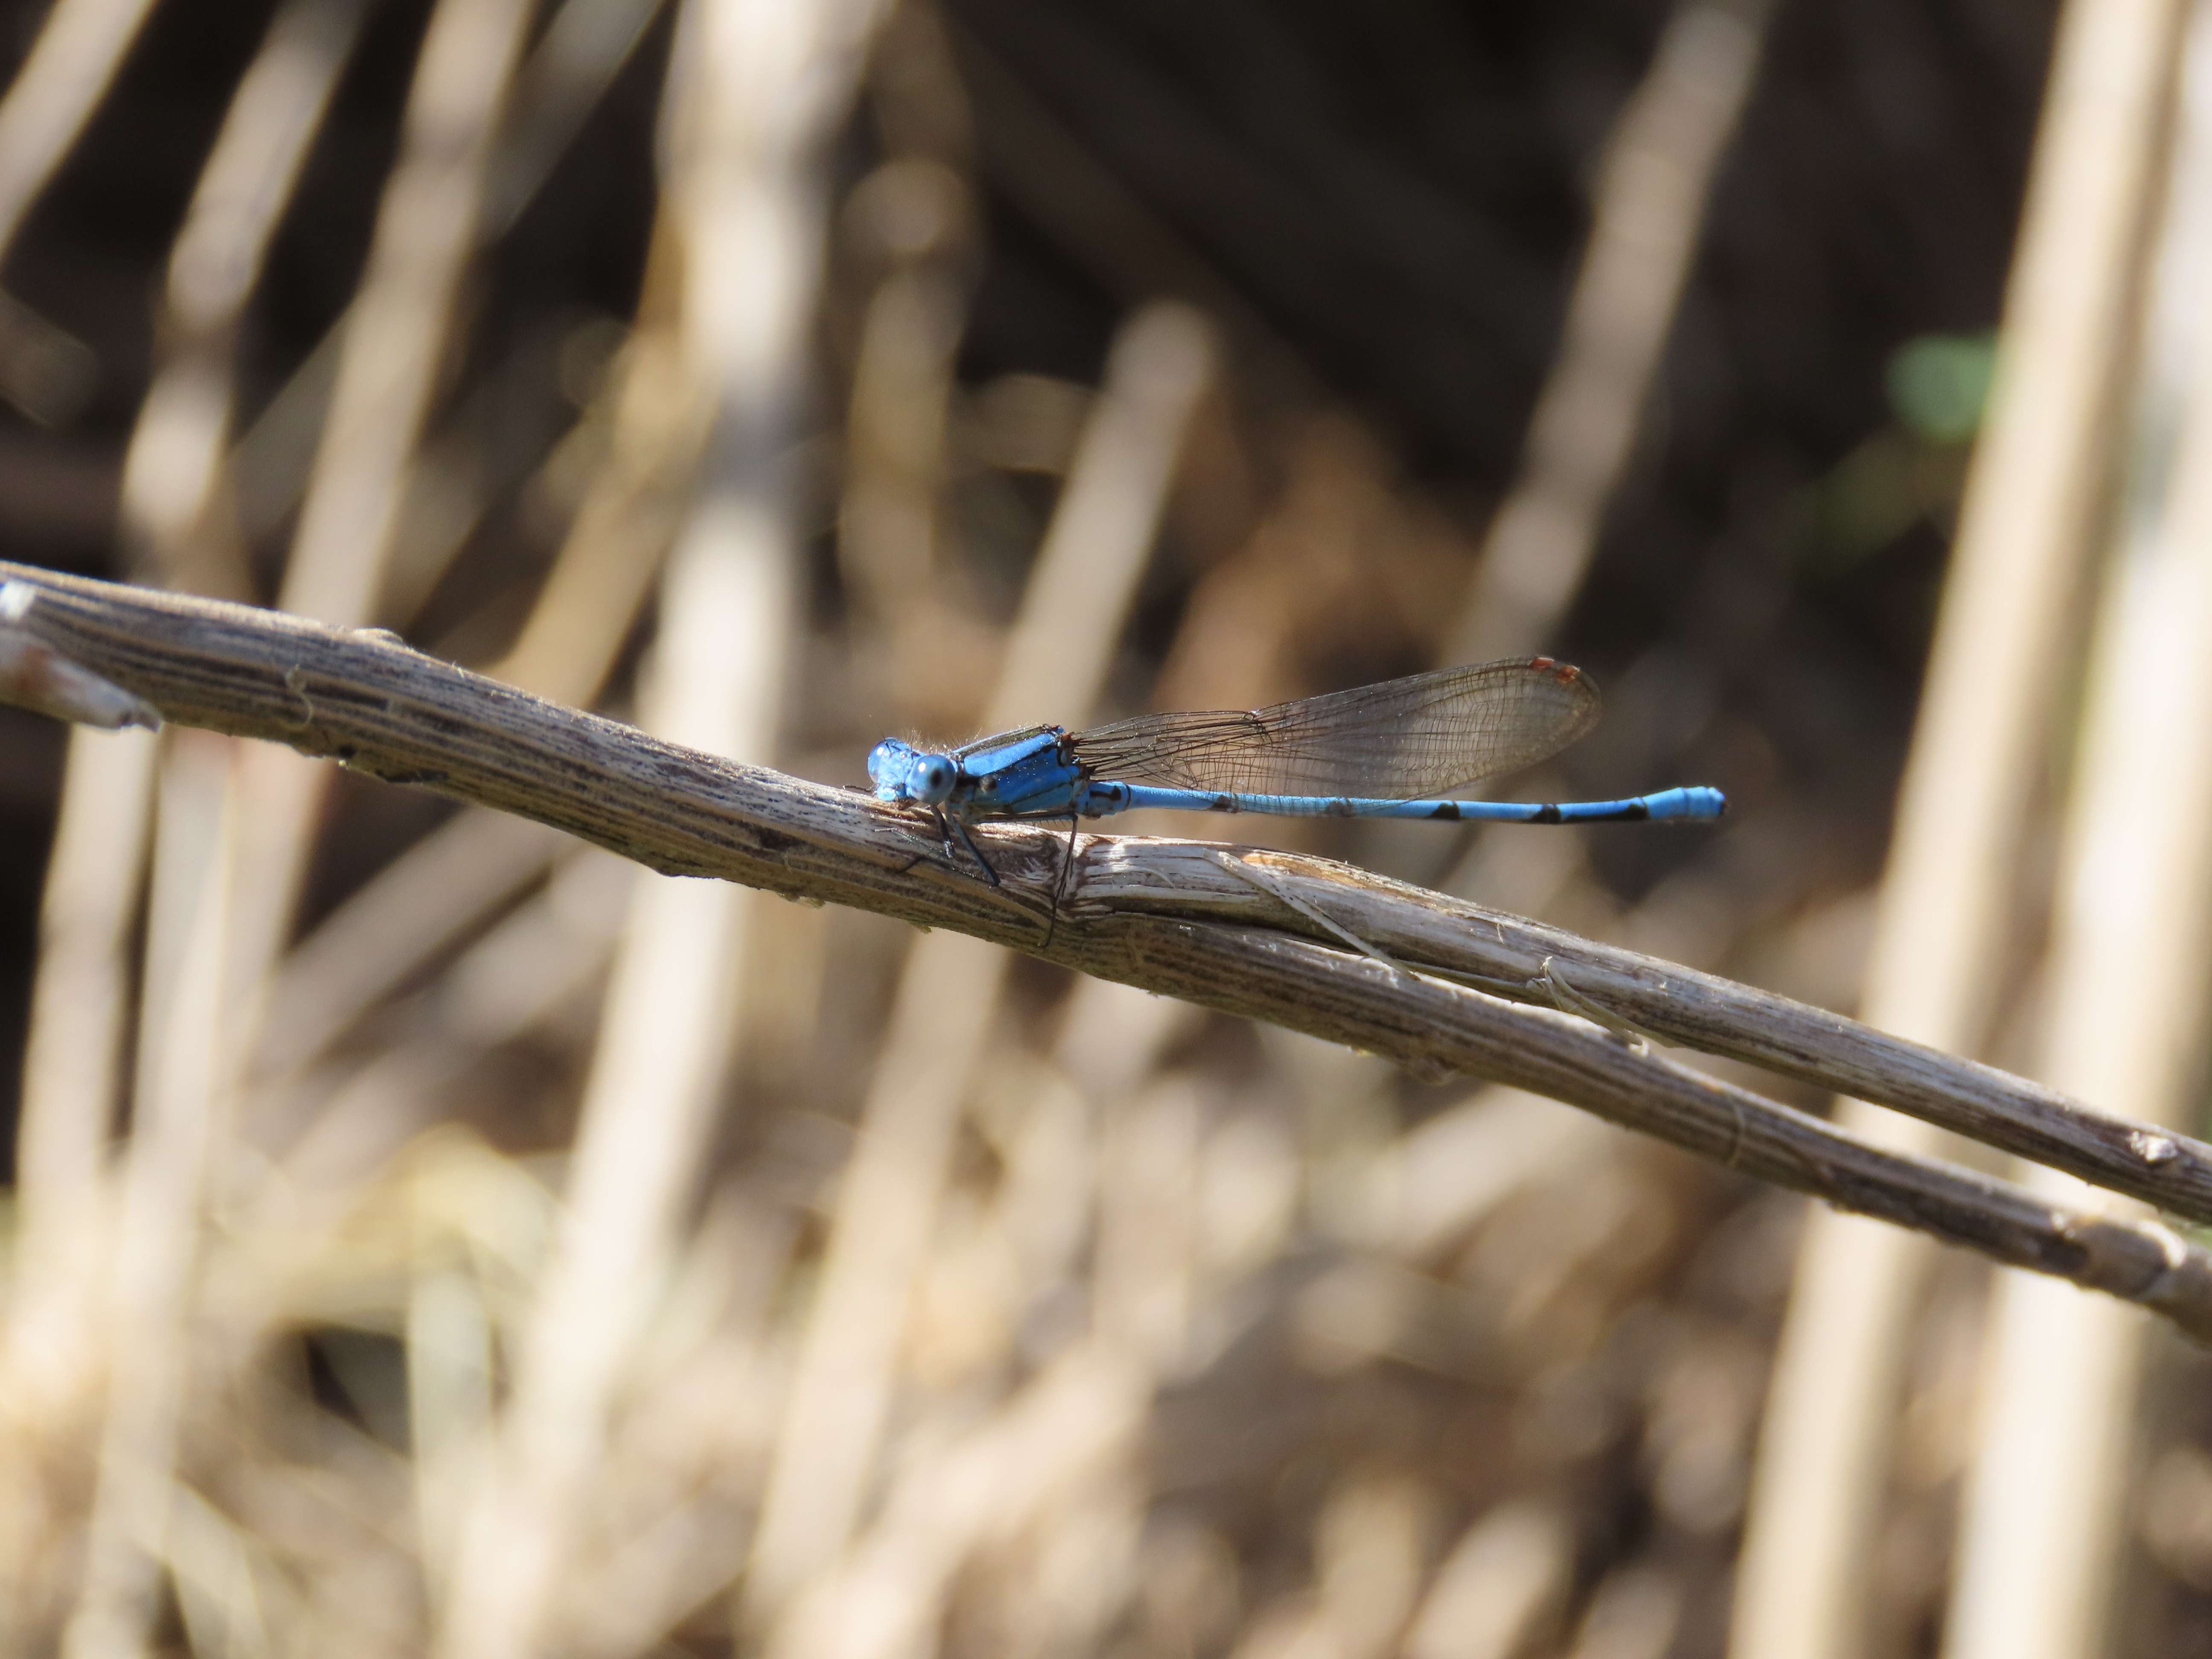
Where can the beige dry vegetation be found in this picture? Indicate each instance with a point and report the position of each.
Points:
(509, 1251)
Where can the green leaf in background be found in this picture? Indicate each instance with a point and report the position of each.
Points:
(1938, 384)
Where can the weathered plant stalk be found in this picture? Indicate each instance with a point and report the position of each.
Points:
(1173, 917)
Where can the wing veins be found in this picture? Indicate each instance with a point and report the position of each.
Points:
(1398, 740)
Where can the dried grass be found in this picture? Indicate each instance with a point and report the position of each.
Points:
(507, 1252)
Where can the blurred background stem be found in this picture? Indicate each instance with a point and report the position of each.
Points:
(2029, 530)
(502, 1250)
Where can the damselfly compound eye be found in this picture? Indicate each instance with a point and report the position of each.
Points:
(932, 780)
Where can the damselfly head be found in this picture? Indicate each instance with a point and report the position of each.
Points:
(902, 772)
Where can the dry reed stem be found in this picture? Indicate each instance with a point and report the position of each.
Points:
(577, 628)
(757, 94)
(1080, 592)
(1055, 1478)
(390, 711)
(396, 330)
(410, 912)
(80, 45)
(442, 887)
(903, 385)
(1165, 915)
(333, 1129)
(2046, 1510)
(172, 482)
(568, 69)
(1645, 227)
(174, 478)
(176, 1107)
(1504, 1582)
(171, 474)
(556, 87)
(396, 336)
(74, 1048)
(2027, 530)
(1086, 1410)
(658, 414)
(53, 1363)
(757, 91)
(173, 471)
(171, 477)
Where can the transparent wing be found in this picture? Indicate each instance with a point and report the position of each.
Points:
(1400, 740)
